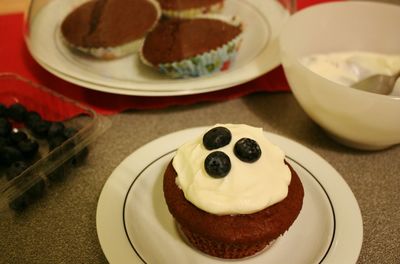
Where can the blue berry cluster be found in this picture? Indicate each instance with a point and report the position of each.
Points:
(218, 164)
(24, 137)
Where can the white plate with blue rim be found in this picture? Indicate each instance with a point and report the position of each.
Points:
(262, 20)
(135, 226)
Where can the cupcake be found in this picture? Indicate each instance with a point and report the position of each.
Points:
(182, 48)
(231, 192)
(189, 8)
(109, 29)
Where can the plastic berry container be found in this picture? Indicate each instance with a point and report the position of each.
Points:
(60, 130)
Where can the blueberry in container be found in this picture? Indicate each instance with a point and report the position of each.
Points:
(43, 136)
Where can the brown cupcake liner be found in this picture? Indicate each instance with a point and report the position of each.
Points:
(222, 249)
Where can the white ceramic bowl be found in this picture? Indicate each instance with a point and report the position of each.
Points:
(355, 118)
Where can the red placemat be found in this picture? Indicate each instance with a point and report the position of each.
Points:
(15, 57)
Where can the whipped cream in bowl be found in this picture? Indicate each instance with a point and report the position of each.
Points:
(349, 67)
(247, 188)
(364, 30)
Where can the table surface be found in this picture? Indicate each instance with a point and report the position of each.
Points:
(61, 227)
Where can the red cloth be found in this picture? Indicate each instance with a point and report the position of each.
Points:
(51, 106)
(14, 57)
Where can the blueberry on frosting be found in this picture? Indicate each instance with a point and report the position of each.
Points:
(247, 150)
(217, 137)
(217, 164)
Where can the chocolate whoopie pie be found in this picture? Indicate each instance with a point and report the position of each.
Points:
(184, 48)
(190, 8)
(109, 29)
(232, 236)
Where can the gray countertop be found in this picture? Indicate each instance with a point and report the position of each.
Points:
(61, 227)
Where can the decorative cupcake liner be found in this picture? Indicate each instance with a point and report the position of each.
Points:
(193, 12)
(207, 63)
(203, 64)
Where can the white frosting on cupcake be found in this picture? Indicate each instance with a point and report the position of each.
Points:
(248, 187)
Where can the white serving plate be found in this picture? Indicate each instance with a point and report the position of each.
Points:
(259, 53)
(134, 225)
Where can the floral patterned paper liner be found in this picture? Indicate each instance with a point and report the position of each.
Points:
(109, 53)
(216, 60)
(193, 12)
(207, 63)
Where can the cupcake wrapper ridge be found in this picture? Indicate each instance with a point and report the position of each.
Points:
(220, 249)
(207, 63)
